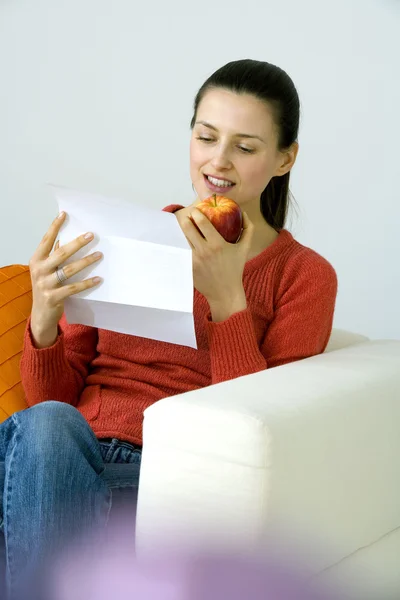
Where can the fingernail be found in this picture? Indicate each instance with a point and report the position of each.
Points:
(87, 236)
(60, 216)
(96, 279)
(97, 255)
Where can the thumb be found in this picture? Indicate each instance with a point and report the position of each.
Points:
(248, 229)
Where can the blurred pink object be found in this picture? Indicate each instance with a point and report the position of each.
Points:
(105, 568)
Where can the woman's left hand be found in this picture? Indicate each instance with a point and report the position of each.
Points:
(217, 265)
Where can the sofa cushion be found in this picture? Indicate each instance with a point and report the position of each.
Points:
(15, 307)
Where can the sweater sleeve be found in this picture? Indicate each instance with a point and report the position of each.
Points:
(233, 347)
(58, 372)
(300, 328)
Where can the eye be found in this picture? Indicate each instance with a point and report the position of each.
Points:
(204, 139)
(246, 150)
(242, 148)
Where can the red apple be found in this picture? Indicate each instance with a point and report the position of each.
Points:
(225, 214)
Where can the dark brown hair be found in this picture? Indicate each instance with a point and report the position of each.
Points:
(273, 86)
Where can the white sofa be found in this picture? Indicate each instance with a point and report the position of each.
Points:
(309, 450)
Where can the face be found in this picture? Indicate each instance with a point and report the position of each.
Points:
(234, 141)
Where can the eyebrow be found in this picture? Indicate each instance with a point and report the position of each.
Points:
(241, 135)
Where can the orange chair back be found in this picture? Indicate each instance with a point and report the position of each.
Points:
(15, 308)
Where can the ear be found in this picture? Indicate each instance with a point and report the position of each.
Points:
(286, 160)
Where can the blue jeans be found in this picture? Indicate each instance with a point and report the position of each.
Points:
(58, 481)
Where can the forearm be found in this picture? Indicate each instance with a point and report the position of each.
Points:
(54, 372)
(43, 336)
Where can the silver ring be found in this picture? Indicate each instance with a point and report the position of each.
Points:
(61, 276)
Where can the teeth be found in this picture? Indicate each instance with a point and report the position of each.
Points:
(219, 182)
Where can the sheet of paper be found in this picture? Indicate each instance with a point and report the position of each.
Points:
(147, 287)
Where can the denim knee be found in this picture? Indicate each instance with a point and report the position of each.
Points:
(52, 429)
(51, 410)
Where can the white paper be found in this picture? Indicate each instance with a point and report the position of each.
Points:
(147, 287)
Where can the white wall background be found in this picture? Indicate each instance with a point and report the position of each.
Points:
(97, 95)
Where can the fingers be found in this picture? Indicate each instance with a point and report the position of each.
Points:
(47, 243)
(199, 228)
(59, 256)
(65, 291)
(192, 232)
(205, 226)
(78, 265)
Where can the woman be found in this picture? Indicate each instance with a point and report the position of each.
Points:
(262, 302)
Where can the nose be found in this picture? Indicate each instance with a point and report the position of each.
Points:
(221, 159)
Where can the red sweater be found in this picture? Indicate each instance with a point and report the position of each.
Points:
(112, 378)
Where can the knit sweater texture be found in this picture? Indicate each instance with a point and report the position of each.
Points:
(111, 378)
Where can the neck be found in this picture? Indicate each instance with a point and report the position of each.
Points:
(264, 234)
(254, 213)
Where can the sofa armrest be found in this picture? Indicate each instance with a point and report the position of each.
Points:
(313, 445)
(341, 338)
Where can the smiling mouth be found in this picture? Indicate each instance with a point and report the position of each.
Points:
(224, 184)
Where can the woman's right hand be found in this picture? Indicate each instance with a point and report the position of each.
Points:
(48, 295)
